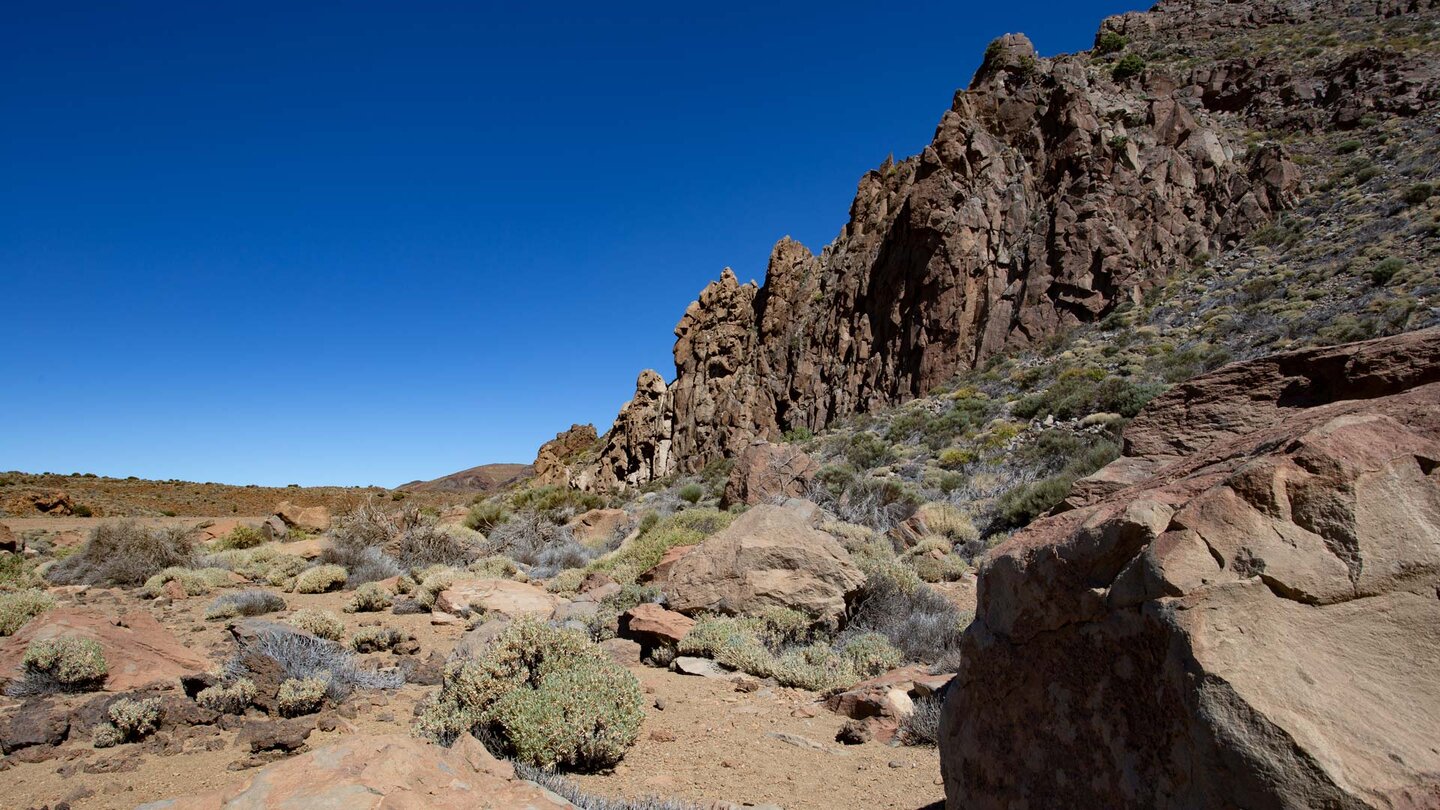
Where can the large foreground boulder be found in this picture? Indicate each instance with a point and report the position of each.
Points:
(1252, 621)
(381, 771)
(771, 556)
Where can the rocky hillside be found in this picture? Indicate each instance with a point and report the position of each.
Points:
(1057, 192)
(485, 478)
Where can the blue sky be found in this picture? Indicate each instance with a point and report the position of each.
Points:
(361, 243)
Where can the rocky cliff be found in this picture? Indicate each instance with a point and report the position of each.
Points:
(1054, 190)
(1244, 614)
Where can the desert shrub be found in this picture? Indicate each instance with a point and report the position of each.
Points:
(300, 656)
(1128, 66)
(497, 567)
(548, 697)
(19, 607)
(321, 579)
(923, 625)
(133, 719)
(738, 643)
(922, 726)
(435, 580)
(64, 664)
(866, 451)
(376, 639)
(1021, 505)
(364, 565)
(1107, 42)
(250, 602)
(1348, 147)
(241, 536)
(486, 515)
(567, 581)
(260, 564)
(16, 572)
(948, 521)
(194, 581)
(1080, 392)
(369, 598)
(944, 568)
(877, 503)
(321, 623)
(1384, 270)
(231, 698)
(691, 493)
(870, 653)
(426, 542)
(124, 553)
(299, 696)
(643, 551)
(1419, 193)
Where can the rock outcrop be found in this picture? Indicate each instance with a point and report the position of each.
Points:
(1054, 190)
(771, 556)
(1245, 615)
(766, 472)
(501, 596)
(556, 460)
(382, 771)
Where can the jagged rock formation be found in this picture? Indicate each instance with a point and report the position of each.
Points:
(1244, 615)
(556, 458)
(1053, 191)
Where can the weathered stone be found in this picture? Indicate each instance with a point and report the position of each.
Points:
(9, 541)
(702, 667)
(503, 596)
(651, 624)
(381, 771)
(622, 651)
(598, 526)
(661, 571)
(555, 463)
(275, 735)
(36, 722)
(637, 448)
(1252, 624)
(310, 519)
(766, 473)
(771, 556)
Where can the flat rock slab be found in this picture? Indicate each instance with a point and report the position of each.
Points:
(503, 596)
(703, 667)
(138, 649)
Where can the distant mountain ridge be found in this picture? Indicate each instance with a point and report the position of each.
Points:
(484, 478)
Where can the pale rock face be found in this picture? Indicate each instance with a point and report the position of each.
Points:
(555, 462)
(771, 556)
(765, 472)
(638, 447)
(382, 771)
(1249, 621)
(312, 518)
(503, 596)
(138, 650)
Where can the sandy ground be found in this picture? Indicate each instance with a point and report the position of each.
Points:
(708, 742)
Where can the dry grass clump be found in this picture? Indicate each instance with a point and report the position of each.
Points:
(240, 537)
(267, 563)
(194, 581)
(573, 793)
(658, 536)
(251, 602)
(62, 664)
(130, 720)
(19, 607)
(547, 697)
(369, 598)
(299, 696)
(301, 656)
(922, 726)
(231, 698)
(376, 639)
(320, 623)
(124, 553)
(924, 625)
(321, 579)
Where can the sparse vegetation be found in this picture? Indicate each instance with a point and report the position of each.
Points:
(63, 664)
(19, 607)
(548, 697)
(1128, 66)
(376, 639)
(316, 622)
(130, 721)
(299, 696)
(321, 579)
(369, 598)
(250, 602)
(229, 698)
(124, 553)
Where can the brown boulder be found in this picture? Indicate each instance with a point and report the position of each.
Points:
(880, 703)
(9, 541)
(381, 771)
(766, 473)
(310, 519)
(504, 596)
(1252, 624)
(54, 502)
(771, 556)
(650, 624)
(138, 650)
(661, 571)
(598, 526)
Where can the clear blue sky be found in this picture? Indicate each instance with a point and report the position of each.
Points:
(356, 243)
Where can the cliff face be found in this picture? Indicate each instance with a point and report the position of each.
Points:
(1053, 191)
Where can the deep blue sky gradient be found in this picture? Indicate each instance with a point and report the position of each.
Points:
(355, 243)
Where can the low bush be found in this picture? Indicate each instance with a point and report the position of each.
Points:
(321, 579)
(240, 537)
(433, 581)
(376, 639)
(577, 796)
(320, 623)
(251, 602)
(1128, 66)
(691, 493)
(547, 697)
(644, 550)
(124, 553)
(369, 598)
(922, 725)
(130, 721)
(497, 567)
(194, 581)
(567, 581)
(740, 643)
(19, 607)
(486, 515)
(922, 624)
(230, 698)
(301, 656)
(298, 696)
(530, 538)
(1107, 42)
(64, 664)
